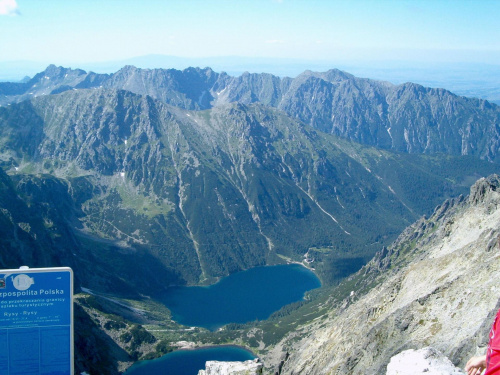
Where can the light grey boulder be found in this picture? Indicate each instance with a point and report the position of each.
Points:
(251, 367)
(428, 361)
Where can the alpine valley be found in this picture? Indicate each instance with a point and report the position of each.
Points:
(143, 179)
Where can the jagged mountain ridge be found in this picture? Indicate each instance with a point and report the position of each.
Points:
(407, 117)
(208, 193)
(434, 286)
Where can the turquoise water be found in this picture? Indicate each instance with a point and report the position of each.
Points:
(241, 297)
(188, 362)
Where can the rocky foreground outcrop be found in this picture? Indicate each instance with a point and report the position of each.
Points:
(426, 361)
(232, 368)
(437, 285)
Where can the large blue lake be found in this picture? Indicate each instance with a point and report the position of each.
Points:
(239, 298)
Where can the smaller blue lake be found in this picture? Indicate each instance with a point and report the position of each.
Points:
(241, 297)
(189, 362)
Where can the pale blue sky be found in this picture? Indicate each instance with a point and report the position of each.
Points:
(71, 31)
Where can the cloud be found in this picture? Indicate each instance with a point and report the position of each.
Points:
(275, 41)
(8, 8)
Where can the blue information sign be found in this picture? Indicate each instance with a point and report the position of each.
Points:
(36, 321)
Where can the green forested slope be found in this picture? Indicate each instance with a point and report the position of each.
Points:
(200, 195)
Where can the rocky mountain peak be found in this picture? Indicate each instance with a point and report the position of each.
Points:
(127, 69)
(202, 72)
(485, 190)
(57, 73)
(336, 75)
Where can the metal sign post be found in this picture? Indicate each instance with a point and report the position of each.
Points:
(36, 321)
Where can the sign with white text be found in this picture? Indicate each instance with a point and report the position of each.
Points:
(36, 321)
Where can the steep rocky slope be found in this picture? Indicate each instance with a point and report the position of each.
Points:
(208, 193)
(435, 286)
(407, 117)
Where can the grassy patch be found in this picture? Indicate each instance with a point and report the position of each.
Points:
(142, 204)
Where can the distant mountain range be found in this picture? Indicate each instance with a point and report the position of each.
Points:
(471, 79)
(406, 118)
(210, 174)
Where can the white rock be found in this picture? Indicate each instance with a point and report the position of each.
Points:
(427, 361)
(232, 368)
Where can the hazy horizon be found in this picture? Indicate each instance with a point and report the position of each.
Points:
(453, 44)
(94, 31)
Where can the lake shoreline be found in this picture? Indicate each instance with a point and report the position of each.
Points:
(243, 354)
(250, 295)
(210, 346)
(286, 261)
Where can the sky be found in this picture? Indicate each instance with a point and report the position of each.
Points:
(78, 31)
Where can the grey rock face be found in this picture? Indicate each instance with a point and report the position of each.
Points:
(439, 289)
(212, 192)
(407, 118)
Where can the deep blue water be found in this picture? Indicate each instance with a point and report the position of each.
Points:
(188, 362)
(241, 297)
